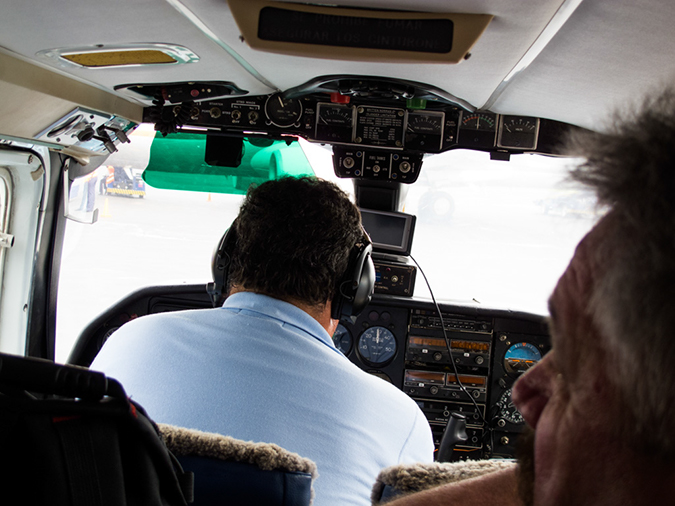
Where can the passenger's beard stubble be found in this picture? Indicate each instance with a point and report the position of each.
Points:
(525, 472)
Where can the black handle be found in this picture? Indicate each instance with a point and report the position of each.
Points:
(44, 376)
(455, 432)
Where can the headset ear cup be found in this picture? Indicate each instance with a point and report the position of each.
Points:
(222, 258)
(355, 289)
(364, 291)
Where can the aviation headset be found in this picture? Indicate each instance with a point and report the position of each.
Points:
(352, 293)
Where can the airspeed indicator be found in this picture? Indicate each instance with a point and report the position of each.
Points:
(377, 346)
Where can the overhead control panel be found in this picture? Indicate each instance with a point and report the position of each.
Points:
(368, 124)
(374, 164)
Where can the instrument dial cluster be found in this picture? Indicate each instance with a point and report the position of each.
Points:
(463, 363)
(369, 123)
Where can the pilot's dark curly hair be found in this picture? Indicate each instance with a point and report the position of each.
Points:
(631, 165)
(294, 236)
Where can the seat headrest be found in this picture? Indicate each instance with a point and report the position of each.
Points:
(266, 456)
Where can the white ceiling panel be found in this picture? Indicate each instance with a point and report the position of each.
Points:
(610, 52)
(515, 27)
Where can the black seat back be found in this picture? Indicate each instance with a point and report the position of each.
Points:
(70, 437)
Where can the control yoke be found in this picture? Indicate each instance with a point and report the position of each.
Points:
(455, 433)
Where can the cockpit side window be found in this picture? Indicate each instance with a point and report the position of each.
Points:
(23, 181)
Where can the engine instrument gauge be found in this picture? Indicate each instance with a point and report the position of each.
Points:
(283, 112)
(507, 409)
(478, 129)
(425, 123)
(520, 357)
(342, 339)
(424, 130)
(377, 346)
(335, 122)
(479, 121)
(518, 132)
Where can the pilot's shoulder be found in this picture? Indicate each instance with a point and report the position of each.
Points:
(149, 328)
(384, 390)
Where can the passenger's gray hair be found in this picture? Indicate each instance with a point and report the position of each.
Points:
(631, 166)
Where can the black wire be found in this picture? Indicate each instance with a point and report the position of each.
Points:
(449, 346)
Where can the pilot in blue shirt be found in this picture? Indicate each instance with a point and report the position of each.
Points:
(263, 367)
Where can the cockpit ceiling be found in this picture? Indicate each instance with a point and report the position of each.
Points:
(605, 53)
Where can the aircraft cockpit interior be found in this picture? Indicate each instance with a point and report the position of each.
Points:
(130, 133)
(463, 360)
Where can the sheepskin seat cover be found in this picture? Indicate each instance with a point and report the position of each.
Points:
(409, 478)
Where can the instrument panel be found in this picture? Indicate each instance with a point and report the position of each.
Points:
(383, 124)
(465, 362)
(402, 341)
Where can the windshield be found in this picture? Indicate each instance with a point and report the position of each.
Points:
(495, 233)
(492, 233)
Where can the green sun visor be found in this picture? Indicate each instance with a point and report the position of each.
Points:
(177, 162)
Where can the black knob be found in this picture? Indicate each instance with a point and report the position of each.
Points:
(86, 134)
(455, 433)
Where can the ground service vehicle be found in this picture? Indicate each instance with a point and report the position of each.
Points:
(442, 119)
(125, 181)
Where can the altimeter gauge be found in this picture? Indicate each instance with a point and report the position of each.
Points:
(507, 409)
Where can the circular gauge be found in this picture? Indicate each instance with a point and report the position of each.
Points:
(342, 339)
(508, 410)
(377, 345)
(520, 357)
(479, 121)
(283, 112)
(381, 375)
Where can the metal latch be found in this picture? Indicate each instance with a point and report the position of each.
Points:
(6, 240)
